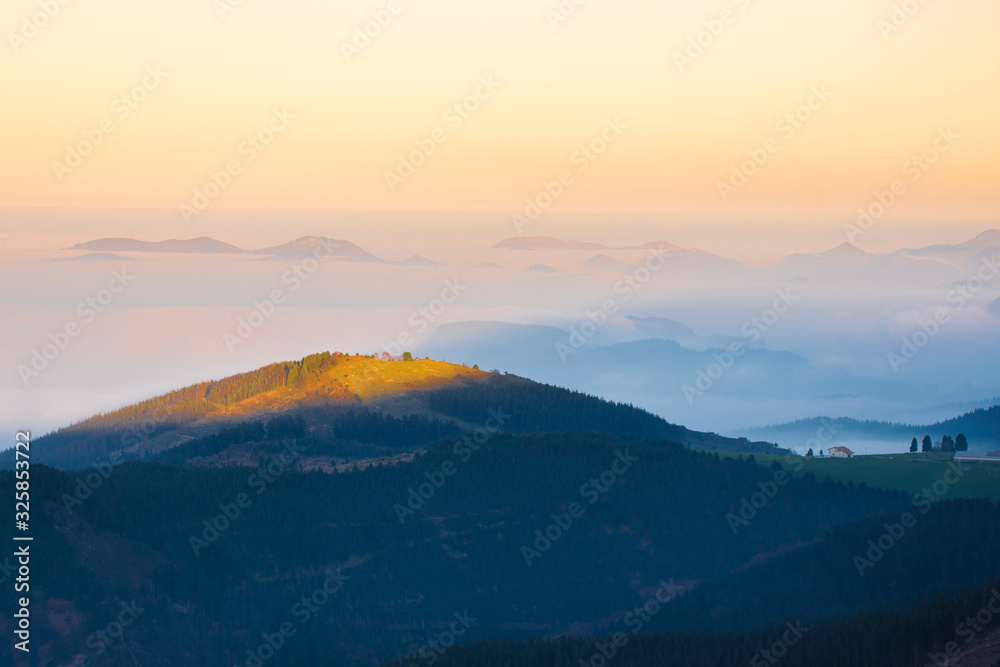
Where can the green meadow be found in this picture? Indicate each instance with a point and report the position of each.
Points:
(902, 472)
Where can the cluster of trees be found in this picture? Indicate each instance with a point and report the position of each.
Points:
(195, 401)
(309, 368)
(237, 388)
(406, 356)
(980, 423)
(367, 432)
(106, 434)
(178, 406)
(279, 429)
(959, 444)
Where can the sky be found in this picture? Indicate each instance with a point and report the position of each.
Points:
(752, 129)
(690, 92)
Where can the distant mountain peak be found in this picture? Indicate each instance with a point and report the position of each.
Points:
(310, 245)
(957, 253)
(202, 244)
(991, 237)
(550, 243)
(95, 257)
(305, 246)
(846, 251)
(602, 261)
(543, 268)
(654, 245)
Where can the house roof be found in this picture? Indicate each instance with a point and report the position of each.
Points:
(841, 449)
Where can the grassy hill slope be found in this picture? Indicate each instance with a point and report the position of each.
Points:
(909, 473)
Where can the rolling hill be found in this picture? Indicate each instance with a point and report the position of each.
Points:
(980, 426)
(322, 388)
(307, 246)
(966, 254)
(849, 263)
(202, 244)
(549, 243)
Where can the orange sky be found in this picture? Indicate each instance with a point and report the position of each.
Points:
(224, 76)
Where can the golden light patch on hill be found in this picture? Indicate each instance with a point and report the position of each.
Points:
(270, 401)
(372, 379)
(200, 410)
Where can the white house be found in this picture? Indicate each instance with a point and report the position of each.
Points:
(840, 453)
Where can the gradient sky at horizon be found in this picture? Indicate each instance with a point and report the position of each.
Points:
(686, 130)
